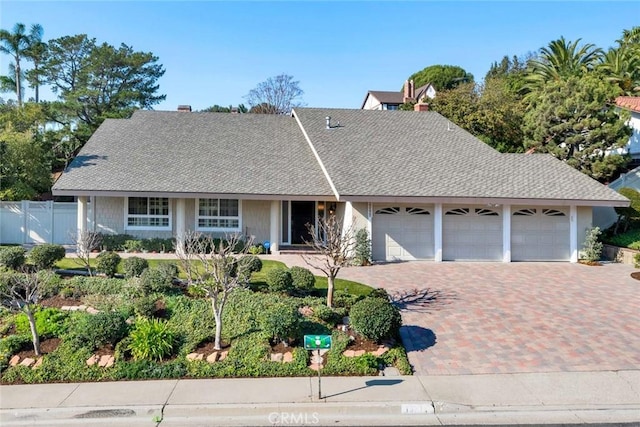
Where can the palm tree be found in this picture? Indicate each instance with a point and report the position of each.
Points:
(622, 66)
(15, 44)
(8, 83)
(562, 59)
(35, 52)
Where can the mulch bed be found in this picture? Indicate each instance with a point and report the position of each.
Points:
(58, 302)
(636, 275)
(362, 344)
(206, 348)
(46, 346)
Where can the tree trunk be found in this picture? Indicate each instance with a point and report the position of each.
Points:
(217, 314)
(18, 89)
(330, 282)
(34, 331)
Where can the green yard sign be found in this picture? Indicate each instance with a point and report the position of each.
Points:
(317, 342)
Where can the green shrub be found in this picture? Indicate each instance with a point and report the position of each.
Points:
(151, 339)
(345, 299)
(11, 345)
(144, 306)
(50, 322)
(96, 330)
(634, 246)
(115, 242)
(326, 314)
(134, 266)
(363, 247)
(280, 322)
(156, 279)
(157, 244)
(12, 257)
(592, 246)
(95, 285)
(375, 318)
(133, 245)
(303, 279)
(248, 264)
(636, 260)
(256, 249)
(168, 269)
(107, 263)
(50, 283)
(279, 280)
(45, 256)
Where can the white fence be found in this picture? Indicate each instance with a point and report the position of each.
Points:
(38, 222)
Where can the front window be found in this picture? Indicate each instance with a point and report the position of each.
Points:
(218, 214)
(148, 213)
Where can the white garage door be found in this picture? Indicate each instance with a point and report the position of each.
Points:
(540, 234)
(402, 233)
(472, 233)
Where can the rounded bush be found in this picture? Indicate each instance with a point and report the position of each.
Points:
(134, 266)
(151, 339)
(280, 322)
(375, 318)
(248, 264)
(12, 257)
(97, 330)
(45, 256)
(144, 306)
(107, 262)
(156, 279)
(303, 278)
(279, 280)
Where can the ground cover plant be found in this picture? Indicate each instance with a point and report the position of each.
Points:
(150, 327)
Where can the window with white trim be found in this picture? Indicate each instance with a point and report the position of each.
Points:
(218, 214)
(148, 213)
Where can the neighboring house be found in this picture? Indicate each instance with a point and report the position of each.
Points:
(632, 103)
(606, 217)
(422, 187)
(383, 100)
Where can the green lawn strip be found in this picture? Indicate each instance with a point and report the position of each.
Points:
(258, 279)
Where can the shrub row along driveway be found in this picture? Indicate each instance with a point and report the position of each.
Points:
(482, 318)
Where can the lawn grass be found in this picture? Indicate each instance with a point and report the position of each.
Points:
(258, 279)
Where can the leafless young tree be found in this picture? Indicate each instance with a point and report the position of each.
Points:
(334, 246)
(276, 95)
(21, 292)
(86, 242)
(213, 267)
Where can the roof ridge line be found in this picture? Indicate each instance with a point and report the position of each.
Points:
(316, 155)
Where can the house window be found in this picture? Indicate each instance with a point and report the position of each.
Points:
(218, 214)
(148, 213)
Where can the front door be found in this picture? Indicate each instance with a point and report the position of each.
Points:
(302, 215)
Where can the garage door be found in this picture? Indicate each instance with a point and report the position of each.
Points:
(540, 234)
(402, 233)
(471, 233)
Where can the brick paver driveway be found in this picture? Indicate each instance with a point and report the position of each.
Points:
(518, 317)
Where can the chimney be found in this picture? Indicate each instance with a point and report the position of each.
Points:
(184, 108)
(412, 90)
(408, 92)
(421, 106)
(234, 110)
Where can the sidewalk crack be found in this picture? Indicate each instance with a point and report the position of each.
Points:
(158, 420)
(69, 395)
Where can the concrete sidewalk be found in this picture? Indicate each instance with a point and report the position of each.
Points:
(547, 398)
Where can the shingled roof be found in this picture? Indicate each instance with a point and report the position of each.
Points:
(370, 155)
(196, 153)
(422, 154)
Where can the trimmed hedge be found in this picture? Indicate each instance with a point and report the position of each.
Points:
(279, 280)
(45, 256)
(375, 318)
(12, 257)
(303, 278)
(134, 266)
(107, 263)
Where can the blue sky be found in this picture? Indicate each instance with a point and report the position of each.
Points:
(215, 52)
